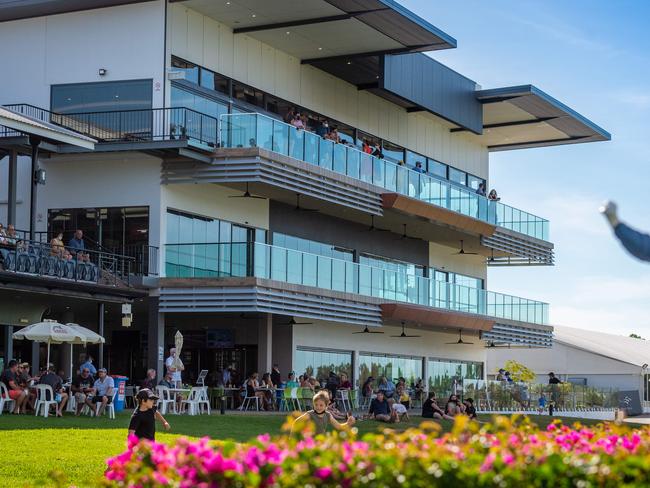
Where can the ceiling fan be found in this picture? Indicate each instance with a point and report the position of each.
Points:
(372, 226)
(491, 258)
(404, 334)
(303, 209)
(462, 250)
(405, 236)
(368, 331)
(247, 194)
(460, 339)
(292, 321)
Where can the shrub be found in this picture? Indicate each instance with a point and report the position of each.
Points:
(505, 453)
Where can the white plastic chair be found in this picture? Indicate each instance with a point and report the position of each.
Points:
(165, 399)
(343, 397)
(248, 401)
(197, 399)
(5, 400)
(43, 392)
(110, 407)
(290, 397)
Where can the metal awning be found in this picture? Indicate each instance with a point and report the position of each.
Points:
(310, 29)
(44, 130)
(519, 117)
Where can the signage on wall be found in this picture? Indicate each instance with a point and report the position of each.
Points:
(156, 86)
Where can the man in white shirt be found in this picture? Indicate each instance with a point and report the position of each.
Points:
(175, 372)
(103, 391)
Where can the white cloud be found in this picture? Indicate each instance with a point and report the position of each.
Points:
(638, 100)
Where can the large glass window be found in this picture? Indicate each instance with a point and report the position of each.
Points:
(214, 81)
(313, 247)
(474, 181)
(393, 367)
(248, 94)
(437, 168)
(102, 96)
(458, 176)
(413, 158)
(446, 375)
(187, 99)
(393, 152)
(319, 362)
(191, 70)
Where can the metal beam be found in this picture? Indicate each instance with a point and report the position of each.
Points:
(400, 50)
(296, 23)
(509, 124)
(547, 141)
(12, 187)
(368, 86)
(412, 110)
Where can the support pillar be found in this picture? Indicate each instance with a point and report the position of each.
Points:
(156, 337)
(265, 344)
(425, 374)
(9, 343)
(100, 331)
(12, 189)
(354, 379)
(34, 142)
(36, 349)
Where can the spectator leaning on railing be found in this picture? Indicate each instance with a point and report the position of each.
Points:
(78, 246)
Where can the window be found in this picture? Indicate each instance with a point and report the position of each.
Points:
(391, 264)
(102, 96)
(458, 176)
(437, 168)
(392, 367)
(444, 373)
(319, 362)
(474, 181)
(313, 247)
(248, 94)
(393, 152)
(214, 81)
(412, 158)
(190, 69)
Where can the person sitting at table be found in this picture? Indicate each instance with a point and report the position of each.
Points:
(82, 388)
(60, 396)
(252, 386)
(388, 388)
(345, 382)
(16, 393)
(276, 376)
(169, 383)
(403, 396)
(56, 246)
(103, 391)
(25, 381)
(270, 386)
(150, 380)
(291, 381)
(305, 382)
(367, 389)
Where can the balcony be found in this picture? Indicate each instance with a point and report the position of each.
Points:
(257, 130)
(263, 261)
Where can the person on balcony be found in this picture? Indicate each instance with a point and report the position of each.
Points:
(481, 189)
(365, 147)
(11, 239)
(77, 246)
(637, 243)
(334, 135)
(418, 167)
(323, 129)
(297, 122)
(57, 249)
(493, 196)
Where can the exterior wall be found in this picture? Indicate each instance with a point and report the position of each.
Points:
(344, 233)
(22, 195)
(566, 361)
(430, 345)
(205, 41)
(442, 256)
(102, 180)
(70, 48)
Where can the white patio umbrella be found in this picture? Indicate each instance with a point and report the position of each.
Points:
(86, 336)
(49, 331)
(178, 343)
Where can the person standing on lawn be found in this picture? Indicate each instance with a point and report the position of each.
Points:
(143, 420)
(321, 417)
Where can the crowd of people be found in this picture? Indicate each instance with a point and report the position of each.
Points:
(90, 387)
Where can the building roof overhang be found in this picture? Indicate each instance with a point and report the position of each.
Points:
(519, 117)
(24, 124)
(310, 29)
(26, 9)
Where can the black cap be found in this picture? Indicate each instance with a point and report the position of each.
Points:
(146, 394)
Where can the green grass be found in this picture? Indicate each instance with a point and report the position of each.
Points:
(79, 446)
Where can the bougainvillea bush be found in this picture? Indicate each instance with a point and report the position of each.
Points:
(508, 452)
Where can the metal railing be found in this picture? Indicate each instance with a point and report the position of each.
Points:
(157, 124)
(37, 258)
(257, 130)
(145, 259)
(277, 263)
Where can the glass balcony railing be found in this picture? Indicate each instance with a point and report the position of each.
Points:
(257, 130)
(297, 267)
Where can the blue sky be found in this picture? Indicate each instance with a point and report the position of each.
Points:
(594, 57)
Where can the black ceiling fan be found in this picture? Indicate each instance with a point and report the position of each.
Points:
(247, 194)
(368, 331)
(372, 226)
(404, 334)
(460, 339)
(405, 236)
(292, 321)
(303, 209)
(491, 258)
(462, 250)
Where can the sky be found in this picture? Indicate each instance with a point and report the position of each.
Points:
(594, 56)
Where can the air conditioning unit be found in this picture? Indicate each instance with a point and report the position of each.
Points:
(175, 75)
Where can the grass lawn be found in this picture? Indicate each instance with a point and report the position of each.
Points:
(79, 446)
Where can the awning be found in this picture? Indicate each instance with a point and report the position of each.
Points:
(519, 117)
(309, 29)
(45, 130)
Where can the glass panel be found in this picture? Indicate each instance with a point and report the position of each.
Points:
(353, 158)
(340, 156)
(366, 167)
(102, 97)
(437, 168)
(457, 176)
(311, 148)
(280, 137)
(191, 70)
(265, 134)
(296, 143)
(326, 153)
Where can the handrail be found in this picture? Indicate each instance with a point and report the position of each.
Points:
(258, 130)
(298, 267)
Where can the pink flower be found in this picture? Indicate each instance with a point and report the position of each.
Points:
(488, 462)
(323, 473)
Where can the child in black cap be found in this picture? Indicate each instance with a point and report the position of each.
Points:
(143, 420)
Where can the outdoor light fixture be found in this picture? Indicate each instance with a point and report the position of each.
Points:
(40, 176)
(102, 71)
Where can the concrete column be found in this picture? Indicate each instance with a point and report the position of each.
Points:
(12, 189)
(265, 344)
(283, 349)
(425, 374)
(355, 369)
(36, 348)
(100, 331)
(156, 337)
(9, 343)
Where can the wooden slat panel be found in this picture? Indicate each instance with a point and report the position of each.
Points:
(435, 317)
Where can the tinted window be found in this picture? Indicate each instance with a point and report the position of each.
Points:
(191, 70)
(457, 176)
(437, 168)
(412, 158)
(214, 81)
(393, 152)
(474, 181)
(102, 96)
